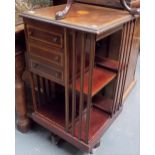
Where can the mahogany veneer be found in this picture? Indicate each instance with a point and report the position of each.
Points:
(66, 74)
(103, 103)
(98, 120)
(101, 77)
(107, 63)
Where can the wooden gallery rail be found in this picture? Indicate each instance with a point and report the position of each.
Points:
(77, 84)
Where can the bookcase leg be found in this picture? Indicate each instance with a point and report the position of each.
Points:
(95, 148)
(56, 140)
(23, 122)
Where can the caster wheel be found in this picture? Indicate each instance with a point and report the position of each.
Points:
(95, 148)
(56, 140)
(93, 151)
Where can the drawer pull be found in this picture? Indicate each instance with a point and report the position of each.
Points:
(35, 65)
(41, 90)
(56, 75)
(36, 88)
(30, 33)
(56, 58)
(46, 71)
(55, 39)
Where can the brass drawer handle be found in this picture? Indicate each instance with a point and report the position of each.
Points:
(30, 33)
(35, 65)
(55, 39)
(56, 75)
(36, 88)
(56, 58)
(41, 90)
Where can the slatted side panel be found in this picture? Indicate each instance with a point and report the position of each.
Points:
(89, 97)
(126, 63)
(43, 90)
(81, 60)
(82, 67)
(124, 55)
(77, 104)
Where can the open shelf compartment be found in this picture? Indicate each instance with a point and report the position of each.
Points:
(103, 103)
(53, 112)
(98, 121)
(101, 77)
(107, 63)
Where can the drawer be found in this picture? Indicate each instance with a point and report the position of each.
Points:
(51, 37)
(49, 55)
(47, 71)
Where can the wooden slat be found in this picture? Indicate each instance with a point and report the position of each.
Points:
(42, 90)
(66, 80)
(73, 81)
(33, 91)
(121, 54)
(128, 58)
(36, 88)
(82, 82)
(89, 100)
(123, 65)
(47, 89)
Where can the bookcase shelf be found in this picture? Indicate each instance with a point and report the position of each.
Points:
(101, 77)
(88, 53)
(103, 103)
(53, 112)
(97, 121)
(107, 63)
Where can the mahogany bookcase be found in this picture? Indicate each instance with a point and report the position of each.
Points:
(77, 68)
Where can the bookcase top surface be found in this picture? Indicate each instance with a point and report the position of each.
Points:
(84, 17)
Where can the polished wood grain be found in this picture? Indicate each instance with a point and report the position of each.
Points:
(97, 119)
(107, 63)
(49, 55)
(69, 92)
(101, 77)
(54, 112)
(133, 57)
(78, 17)
(48, 37)
(45, 70)
(103, 103)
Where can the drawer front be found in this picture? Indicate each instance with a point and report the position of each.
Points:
(50, 37)
(49, 55)
(47, 71)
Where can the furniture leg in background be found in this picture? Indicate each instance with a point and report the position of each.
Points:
(23, 122)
